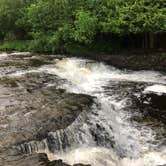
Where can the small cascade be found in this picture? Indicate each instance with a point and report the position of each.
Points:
(104, 136)
(84, 131)
(33, 146)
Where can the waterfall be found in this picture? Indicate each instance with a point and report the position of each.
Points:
(103, 136)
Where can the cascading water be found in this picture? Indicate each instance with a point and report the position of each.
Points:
(104, 136)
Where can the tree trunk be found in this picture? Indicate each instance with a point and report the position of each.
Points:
(151, 40)
(146, 41)
(143, 41)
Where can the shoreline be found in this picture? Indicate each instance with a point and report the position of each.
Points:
(153, 62)
(138, 61)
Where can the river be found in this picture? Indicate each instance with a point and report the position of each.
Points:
(115, 131)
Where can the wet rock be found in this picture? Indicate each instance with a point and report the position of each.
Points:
(39, 159)
(57, 163)
(36, 62)
(153, 100)
(31, 160)
(80, 165)
(133, 61)
(25, 61)
(31, 106)
(33, 109)
(156, 96)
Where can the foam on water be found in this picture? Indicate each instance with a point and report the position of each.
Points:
(159, 89)
(20, 53)
(105, 157)
(96, 156)
(100, 156)
(89, 78)
(148, 159)
(3, 55)
(88, 75)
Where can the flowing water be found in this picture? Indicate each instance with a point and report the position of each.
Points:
(107, 135)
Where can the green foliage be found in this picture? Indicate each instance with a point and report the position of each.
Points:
(17, 45)
(124, 17)
(54, 24)
(85, 27)
(46, 43)
(148, 16)
(10, 12)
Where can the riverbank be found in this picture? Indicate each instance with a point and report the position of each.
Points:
(153, 61)
(45, 108)
(124, 59)
(31, 106)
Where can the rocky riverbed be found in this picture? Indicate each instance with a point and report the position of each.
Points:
(61, 111)
(135, 61)
(31, 106)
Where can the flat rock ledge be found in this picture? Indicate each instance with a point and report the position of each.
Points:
(153, 100)
(34, 160)
(31, 106)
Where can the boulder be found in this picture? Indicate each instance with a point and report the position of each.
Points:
(153, 100)
(31, 106)
(31, 160)
(35, 159)
(156, 96)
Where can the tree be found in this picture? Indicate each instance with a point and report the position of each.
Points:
(59, 22)
(85, 27)
(10, 12)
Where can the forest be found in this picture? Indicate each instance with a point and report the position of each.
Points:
(66, 26)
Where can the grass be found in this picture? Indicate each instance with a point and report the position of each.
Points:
(16, 45)
(72, 48)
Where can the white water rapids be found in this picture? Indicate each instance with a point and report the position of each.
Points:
(104, 136)
(109, 123)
